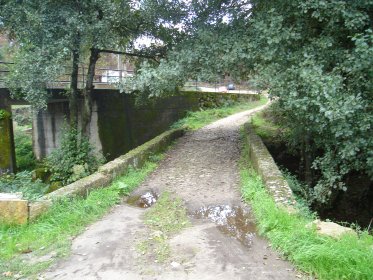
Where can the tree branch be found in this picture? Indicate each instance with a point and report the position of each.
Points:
(131, 54)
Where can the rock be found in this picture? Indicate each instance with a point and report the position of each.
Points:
(330, 229)
(175, 265)
(13, 209)
(7, 274)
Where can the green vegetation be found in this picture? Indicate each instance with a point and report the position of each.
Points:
(167, 217)
(198, 119)
(4, 114)
(23, 182)
(349, 257)
(53, 230)
(268, 124)
(301, 190)
(74, 159)
(24, 154)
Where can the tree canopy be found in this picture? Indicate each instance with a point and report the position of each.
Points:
(315, 57)
(53, 37)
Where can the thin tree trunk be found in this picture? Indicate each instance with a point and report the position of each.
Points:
(88, 90)
(73, 98)
(308, 159)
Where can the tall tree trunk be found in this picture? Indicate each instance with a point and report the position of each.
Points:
(73, 98)
(88, 90)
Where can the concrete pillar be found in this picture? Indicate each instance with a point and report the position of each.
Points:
(7, 151)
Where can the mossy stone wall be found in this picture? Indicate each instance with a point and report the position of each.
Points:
(7, 152)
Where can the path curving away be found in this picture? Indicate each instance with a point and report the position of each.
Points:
(202, 169)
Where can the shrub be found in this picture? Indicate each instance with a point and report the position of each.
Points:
(24, 154)
(23, 182)
(74, 159)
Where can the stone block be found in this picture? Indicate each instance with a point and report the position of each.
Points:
(330, 229)
(80, 187)
(37, 208)
(13, 209)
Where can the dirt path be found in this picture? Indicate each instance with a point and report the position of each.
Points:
(202, 169)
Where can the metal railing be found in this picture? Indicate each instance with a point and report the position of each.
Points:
(107, 77)
(103, 76)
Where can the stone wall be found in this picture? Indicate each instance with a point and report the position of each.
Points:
(7, 151)
(267, 169)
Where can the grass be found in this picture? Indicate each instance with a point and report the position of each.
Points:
(349, 257)
(198, 119)
(54, 230)
(167, 217)
(267, 125)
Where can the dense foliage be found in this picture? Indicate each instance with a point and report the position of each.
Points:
(23, 182)
(317, 57)
(24, 154)
(74, 159)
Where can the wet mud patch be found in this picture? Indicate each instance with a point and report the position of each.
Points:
(234, 221)
(145, 200)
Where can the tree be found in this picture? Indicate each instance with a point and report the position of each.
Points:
(51, 34)
(316, 57)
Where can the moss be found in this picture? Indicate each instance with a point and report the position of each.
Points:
(4, 114)
(54, 186)
(42, 174)
(6, 141)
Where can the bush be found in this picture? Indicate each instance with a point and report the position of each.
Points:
(74, 159)
(24, 154)
(22, 115)
(22, 182)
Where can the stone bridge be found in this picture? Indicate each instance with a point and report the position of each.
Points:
(118, 123)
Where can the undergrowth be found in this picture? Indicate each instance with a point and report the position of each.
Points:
(24, 183)
(54, 230)
(269, 124)
(23, 149)
(198, 119)
(349, 257)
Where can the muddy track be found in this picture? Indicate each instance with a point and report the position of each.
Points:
(202, 169)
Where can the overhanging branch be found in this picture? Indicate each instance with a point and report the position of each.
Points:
(131, 54)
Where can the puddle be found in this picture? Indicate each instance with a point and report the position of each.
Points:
(145, 200)
(233, 221)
